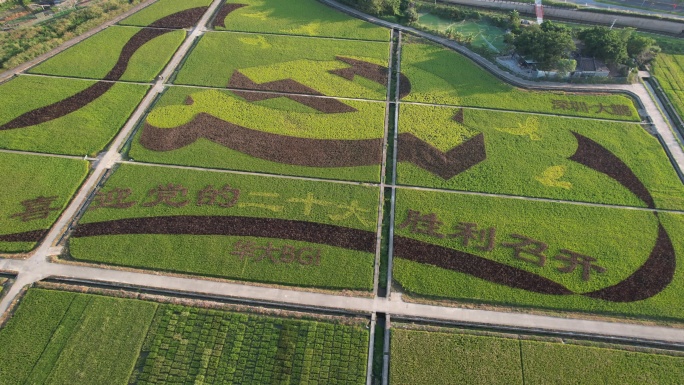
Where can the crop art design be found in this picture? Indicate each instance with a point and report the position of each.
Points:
(183, 19)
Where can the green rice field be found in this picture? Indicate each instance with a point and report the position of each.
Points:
(453, 356)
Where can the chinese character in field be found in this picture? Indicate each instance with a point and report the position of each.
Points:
(309, 202)
(579, 106)
(528, 246)
(620, 110)
(38, 208)
(271, 207)
(469, 231)
(352, 209)
(270, 252)
(574, 260)
(560, 104)
(245, 249)
(170, 195)
(114, 198)
(418, 223)
(225, 197)
(601, 108)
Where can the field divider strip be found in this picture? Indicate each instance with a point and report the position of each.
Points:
(268, 296)
(546, 200)
(383, 173)
(393, 199)
(47, 154)
(86, 79)
(226, 171)
(371, 349)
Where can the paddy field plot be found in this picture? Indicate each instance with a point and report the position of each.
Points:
(63, 116)
(272, 230)
(39, 190)
(669, 70)
(294, 17)
(62, 337)
(313, 66)
(179, 13)
(544, 255)
(442, 76)
(535, 156)
(117, 53)
(264, 132)
(451, 356)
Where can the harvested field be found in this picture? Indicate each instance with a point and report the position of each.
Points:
(233, 226)
(310, 62)
(53, 180)
(295, 17)
(537, 156)
(264, 132)
(131, 54)
(169, 14)
(484, 252)
(64, 116)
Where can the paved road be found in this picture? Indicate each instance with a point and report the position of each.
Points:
(396, 307)
(38, 267)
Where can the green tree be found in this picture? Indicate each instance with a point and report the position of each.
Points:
(606, 44)
(514, 21)
(642, 49)
(566, 66)
(547, 44)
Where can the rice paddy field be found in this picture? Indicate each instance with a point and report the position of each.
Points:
(669, 70)
(455, 356)
(62, 337)
(268, 160)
